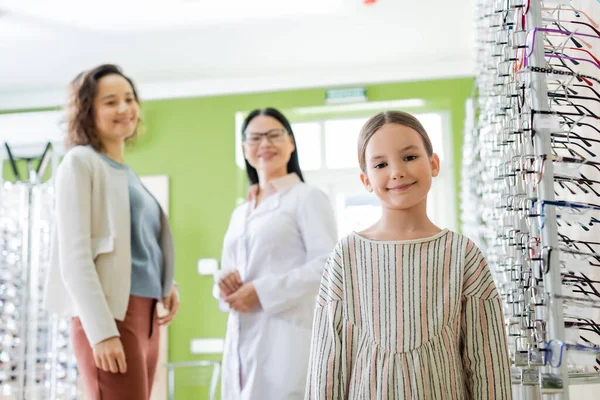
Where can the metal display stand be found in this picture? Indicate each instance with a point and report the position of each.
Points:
(36, 361)
(524, 129)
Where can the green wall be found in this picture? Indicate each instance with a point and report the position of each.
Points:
(192, 141)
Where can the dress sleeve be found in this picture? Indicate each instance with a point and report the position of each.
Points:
(483, 337)
(326, 375)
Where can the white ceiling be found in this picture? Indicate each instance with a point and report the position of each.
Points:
(115, 15)
(175, 48)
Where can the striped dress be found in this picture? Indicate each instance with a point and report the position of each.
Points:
(417, 319)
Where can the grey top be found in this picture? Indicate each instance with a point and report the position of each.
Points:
(146, 254)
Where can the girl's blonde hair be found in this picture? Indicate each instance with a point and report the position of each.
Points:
(389, 117)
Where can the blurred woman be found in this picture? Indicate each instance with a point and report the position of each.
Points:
(273, 258)
(112, 255)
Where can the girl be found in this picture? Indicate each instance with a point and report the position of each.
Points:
(112, 255)
(406, 310)
(273, 258)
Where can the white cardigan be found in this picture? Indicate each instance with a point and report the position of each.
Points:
(90, 271)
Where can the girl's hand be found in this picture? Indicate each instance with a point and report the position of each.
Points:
(171, 304)
(109, 355)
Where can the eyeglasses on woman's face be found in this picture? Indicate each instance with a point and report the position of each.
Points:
(274, 136)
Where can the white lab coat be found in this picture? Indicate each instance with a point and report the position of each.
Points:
(281, 247)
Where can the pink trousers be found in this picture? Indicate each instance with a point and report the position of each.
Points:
(140, 337)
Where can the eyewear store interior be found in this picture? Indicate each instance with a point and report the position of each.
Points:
(511, 103)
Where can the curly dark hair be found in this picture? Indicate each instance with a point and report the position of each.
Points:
(81, 127)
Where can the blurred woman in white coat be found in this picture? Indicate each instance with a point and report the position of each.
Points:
(273, 258)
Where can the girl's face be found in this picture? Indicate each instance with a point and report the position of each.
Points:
(398, 169)
(268, 146)
(116, 110)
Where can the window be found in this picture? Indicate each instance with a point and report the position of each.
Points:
(341, 136)
(308, 140)
(434, 127)
(356, 212)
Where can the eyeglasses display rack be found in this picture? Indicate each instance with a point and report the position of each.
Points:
(36, 359)
(530, 188)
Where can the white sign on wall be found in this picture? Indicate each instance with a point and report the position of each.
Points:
(158, 185)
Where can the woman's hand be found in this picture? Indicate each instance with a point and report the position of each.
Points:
(171, 304)
(230, 283)
(109, 355)
(244, 299)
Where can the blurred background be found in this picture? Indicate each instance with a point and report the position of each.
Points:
(200, 66)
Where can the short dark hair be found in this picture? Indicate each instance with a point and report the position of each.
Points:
(293, 165)
(81, 127)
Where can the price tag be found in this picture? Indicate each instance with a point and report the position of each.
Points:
(551, 383)
(572, 335)
(578, 266)
(515, 374)
(521, 358)
(570, 170)
(536, 358)
(546, 122)
(582, 358)
(530, 376)
(580, 312)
